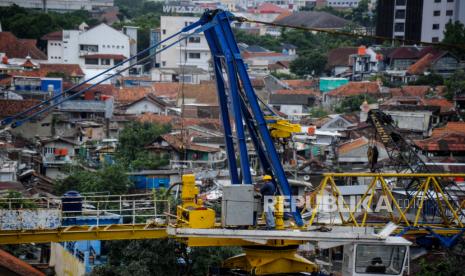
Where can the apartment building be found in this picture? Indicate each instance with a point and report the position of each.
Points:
(192, 52)
(416, 20)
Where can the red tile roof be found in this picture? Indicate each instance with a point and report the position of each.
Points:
(448, 142)
(105, 56)
(72, 70)
(12, 107)
(203, 93)
(411, 90)
(421, 65)
(298, 92)
(341, 56)
(28, 64)
(444, 104)
(17, 266)
(298, 84)
(450, 127)
(126, 95)
(351, 145)
(58, 35)
(14, 47)
(267, 8)
(248, 55)
(179, 144)
(405, 53)
(178, 122)
(167, 89)
(356, 88)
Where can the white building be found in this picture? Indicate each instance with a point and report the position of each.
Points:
(59, 5)
(95, 49)
(436, 14)
(193, 51)
(342, 4)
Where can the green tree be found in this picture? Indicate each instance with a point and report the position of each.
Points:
(111, 178)
(455, 84)
(454, 33)
(160, 257)
(431, 80)
(132, 140)
(310, 64)
(353, 103)
(318, 112)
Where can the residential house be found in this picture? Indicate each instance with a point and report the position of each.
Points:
(408, 62)
(445, 141)
(340, 62)
(147, 104)
(314, 19)
(258, 62)
(198, 100)
(294, 105)
(414, 120)
(179, 148)
(95, 49)
(182, 74)
(339, 123)
(436, 61)
(266, 12)
(334, 97)
(354, 152)
(15, 52)
(56, 152)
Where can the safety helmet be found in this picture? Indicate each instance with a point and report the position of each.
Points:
(266, 177)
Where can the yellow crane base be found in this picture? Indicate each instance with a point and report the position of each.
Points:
(265, 260)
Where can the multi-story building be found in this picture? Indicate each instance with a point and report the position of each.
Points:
(59, 5)
(97, 48)
(416, 20)
(193, 51)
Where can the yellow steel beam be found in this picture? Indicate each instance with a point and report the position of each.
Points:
(76, 233)
(406, 175)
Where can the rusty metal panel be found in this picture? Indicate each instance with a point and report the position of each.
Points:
(29, 219)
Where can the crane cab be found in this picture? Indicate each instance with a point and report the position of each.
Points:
(388, 257)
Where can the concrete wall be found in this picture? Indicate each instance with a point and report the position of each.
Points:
(417, 121)
(144, 107)
(64, 262)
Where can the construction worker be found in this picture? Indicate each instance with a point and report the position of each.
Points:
(268, 190)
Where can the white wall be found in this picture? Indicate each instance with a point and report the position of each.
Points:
(429, 6)
(175, 55)
(55, 51)
(144, 107)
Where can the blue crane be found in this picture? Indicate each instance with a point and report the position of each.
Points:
(237, 100)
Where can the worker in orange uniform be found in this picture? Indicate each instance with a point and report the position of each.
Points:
(268, 190)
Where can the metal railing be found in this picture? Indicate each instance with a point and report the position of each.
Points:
(91, 210)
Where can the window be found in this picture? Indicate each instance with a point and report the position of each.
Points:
(163, 31)
(386, 259)
(89, 48)
(163, 63)
(400, 2)
(435, 39)
(437, 13)
(435, 26)
(105, 61)
(194, 39)
(92, 61)
(437, 1)
(194, 55)
(450, 1)
(449, 12)
(400, 14)
(399, 27)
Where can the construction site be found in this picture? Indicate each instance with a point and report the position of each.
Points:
(376, 204)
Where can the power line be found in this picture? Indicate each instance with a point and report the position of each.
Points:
(354, 35)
